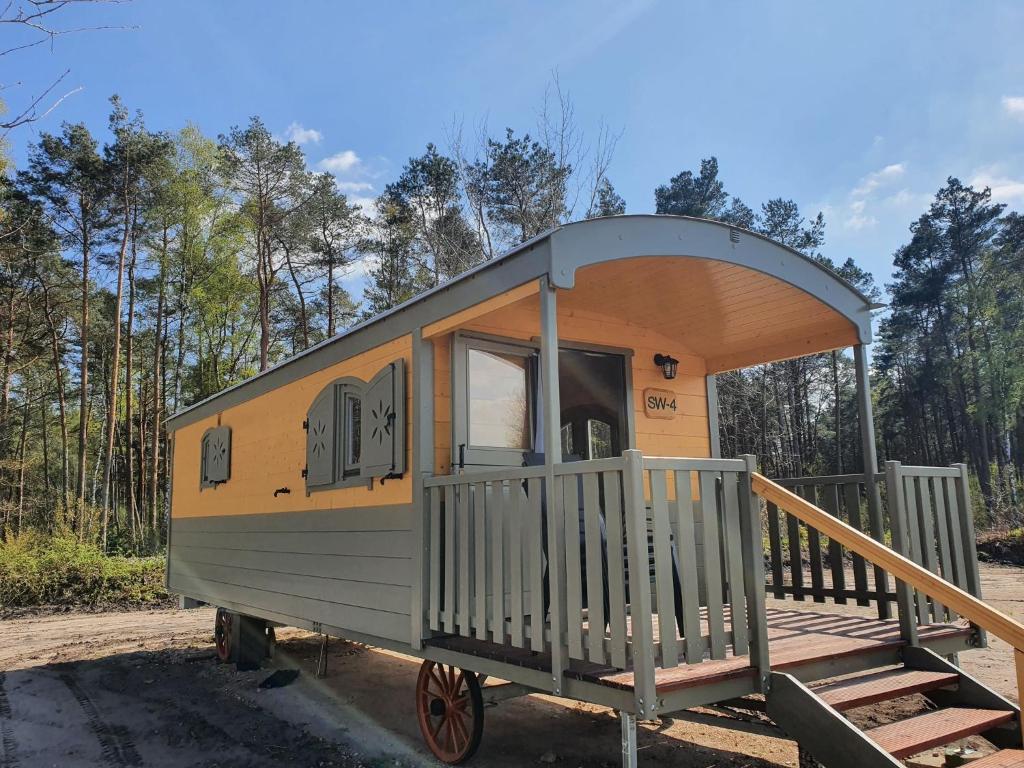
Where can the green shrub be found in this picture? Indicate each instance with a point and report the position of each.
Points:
(41, 570)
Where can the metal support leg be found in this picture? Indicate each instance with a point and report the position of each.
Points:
(628, 722)
(321, 662)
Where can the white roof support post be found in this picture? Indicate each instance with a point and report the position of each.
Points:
(869, 451)
(711, 389)
(552, 409)
(422, 467)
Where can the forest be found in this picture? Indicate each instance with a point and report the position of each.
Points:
(142, 271)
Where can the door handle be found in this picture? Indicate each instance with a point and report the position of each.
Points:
(462, 455)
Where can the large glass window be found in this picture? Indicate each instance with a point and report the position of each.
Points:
(495, 392)
(499, 415)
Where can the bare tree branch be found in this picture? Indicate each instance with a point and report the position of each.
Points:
(30, 113)
(32, 15)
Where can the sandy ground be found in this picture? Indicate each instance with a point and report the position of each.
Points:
(144, 688)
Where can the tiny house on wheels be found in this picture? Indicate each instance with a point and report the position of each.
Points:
(517, 477)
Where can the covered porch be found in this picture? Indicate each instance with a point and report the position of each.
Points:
(627, 562)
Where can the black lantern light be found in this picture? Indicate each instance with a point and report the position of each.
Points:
(668, 365)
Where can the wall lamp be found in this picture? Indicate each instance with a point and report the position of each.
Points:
(668, 365)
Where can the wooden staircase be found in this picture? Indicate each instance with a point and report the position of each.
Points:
(813, 715)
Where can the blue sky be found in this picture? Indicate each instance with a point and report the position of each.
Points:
(860, 110)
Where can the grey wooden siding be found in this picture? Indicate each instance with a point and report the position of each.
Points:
(349, 568)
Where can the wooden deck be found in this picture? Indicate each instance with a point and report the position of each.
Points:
(797, 638)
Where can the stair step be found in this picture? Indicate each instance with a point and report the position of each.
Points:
(882, 686)
(1004, 758)
(916, 734)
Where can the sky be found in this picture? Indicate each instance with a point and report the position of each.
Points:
(859, 110)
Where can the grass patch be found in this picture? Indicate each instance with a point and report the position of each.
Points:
(37, 570)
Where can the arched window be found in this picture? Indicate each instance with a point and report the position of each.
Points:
(355, 430)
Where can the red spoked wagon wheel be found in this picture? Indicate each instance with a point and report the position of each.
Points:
(222, 634)
(450, 711)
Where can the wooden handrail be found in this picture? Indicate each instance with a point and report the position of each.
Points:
(921, 579)
(967, 605)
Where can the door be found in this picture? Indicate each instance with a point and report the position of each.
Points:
(593, 394)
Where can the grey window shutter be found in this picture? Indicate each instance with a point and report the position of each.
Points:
(216, 456)
(204, 460)
(320, 443)
(383, 448)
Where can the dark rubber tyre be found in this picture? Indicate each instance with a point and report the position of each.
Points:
(222, 629)
(450, 711)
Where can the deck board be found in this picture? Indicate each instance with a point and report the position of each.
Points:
(796, 638)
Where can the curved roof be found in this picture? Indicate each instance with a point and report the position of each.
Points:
(620, 237)
(559, 253)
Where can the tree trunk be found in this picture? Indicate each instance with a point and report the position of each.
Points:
(115, 370)
(154, 444)
(58, 373)
(21, 464)
(141, 448)
(304, 318)
(5, 397)
(330, 293)
(264, 276)
(838, 412)
(129, 373)
(83, 376)
(43, 407)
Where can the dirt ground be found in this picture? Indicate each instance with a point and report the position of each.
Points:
(144, 688)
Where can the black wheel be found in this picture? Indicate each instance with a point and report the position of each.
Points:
(222, 627)
(450, 711)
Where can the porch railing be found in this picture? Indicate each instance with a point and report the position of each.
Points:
(928, 585)
(659, 562)
(925, 516)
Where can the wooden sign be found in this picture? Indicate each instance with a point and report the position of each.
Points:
(659, 404)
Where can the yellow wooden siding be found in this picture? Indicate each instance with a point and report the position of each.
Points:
(685, 435)
(268, 448)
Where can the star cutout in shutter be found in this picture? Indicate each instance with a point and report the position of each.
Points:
(381, 414)
(319, 443)
(220, 452)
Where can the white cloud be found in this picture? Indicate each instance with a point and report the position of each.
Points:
(341, 162)
(1004, 188)
(353, 186)
(1014, 106)
(855, 215)
(301, 135)
(858, 221)
(876, 179)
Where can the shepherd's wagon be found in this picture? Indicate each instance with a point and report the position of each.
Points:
(517, 476)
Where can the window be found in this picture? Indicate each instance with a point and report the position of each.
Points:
(495, 387)
(352, 417)
(355, 430)
(568, 446)
(599, 435)
(498, 416)
(494, 392)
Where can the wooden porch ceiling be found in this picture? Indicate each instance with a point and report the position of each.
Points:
(731, 316)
